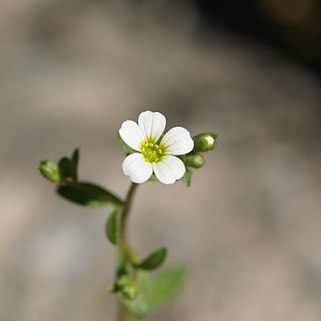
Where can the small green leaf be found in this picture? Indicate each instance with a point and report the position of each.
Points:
(154, 260)
(49, 170)
(68, 168)
(74, 164)
(113, 228)
(187, 177)
(88, 194)
(165, 286)
(65, 169)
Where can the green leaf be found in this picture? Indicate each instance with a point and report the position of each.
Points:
(74, 164)
(49, 170)
(187, 177)
(113, 228)
(155, 292)
(68, 168)
(154, 260)
(165, 286)
(65, 169)
(88, 194)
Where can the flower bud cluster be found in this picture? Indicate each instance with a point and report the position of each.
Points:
(204, 142)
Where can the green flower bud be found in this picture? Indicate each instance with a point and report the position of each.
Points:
(123, 281)
(50, 170)
(127, 286)
(130, 292)
(193, 160)
(204, 142)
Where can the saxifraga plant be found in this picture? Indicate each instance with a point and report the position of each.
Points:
(151, 155)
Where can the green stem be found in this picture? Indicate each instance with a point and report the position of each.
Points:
(123, 313)
(125, 213)
(123, 245)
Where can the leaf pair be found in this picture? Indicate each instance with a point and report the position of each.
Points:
(155, 291)
(68, 167)
(204, 142)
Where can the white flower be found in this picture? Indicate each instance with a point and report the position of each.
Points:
(153, 153)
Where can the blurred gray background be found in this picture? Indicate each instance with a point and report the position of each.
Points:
(249, 227)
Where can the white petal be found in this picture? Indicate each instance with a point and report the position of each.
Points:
(169, 169)
(131, 134)
(137, 168)
(152, 124)
(178, 141)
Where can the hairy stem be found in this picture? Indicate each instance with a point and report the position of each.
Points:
(125, 213)
(123, 244)
(123, 314)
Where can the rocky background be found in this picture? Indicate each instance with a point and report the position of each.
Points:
(249, 228)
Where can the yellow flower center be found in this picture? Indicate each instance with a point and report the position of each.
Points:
(152, 152)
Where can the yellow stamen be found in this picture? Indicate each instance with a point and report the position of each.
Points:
(151, 151)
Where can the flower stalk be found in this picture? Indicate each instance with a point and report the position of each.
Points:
(123, 246)
(124, 315)
(123, 241)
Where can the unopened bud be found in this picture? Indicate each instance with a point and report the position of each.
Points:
(128, 287)
(204, 142)
(123, 281)
(50, 170)
(130, 292)
(194, 160)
